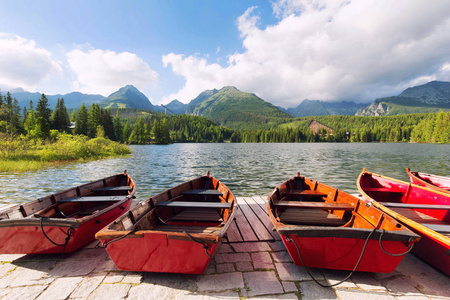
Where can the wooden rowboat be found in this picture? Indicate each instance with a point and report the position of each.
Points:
(435, 182)
(323, 227)
(177, 231)
(65, 221)
(423, 210)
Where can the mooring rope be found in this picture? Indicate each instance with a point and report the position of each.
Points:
(118, 239)
(351, 273)
(205, 246)
(69, 234)
(391, 254)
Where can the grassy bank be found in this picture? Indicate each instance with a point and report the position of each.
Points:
(20, 154)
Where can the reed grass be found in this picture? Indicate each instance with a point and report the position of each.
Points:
(22, 154)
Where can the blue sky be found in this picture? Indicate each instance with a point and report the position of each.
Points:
(282, 50)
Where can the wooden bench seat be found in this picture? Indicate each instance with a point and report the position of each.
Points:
(416, 205)
(382, 189)
(316, 205)
(192, 204)
(188, 229)
(441, 228)
(305, 193)
(91, 199)
(203, 192)
(310, 217)
(113, 188)
(197, 214)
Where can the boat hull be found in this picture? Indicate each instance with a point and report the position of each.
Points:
(155, 252)
(434, 247)
(176, 231)
(343, 253)
(30, 239)
(323, 227)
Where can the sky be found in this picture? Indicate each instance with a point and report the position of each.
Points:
(284, 51)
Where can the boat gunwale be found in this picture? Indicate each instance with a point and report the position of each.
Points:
(35, 220)
(406, 221)
(416, 176)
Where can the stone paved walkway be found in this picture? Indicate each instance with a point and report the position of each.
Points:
(253, 270)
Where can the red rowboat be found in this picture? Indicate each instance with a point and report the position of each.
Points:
(435, 182)
(323, 227)
(176, 231)
(423, 210)
(65, 221)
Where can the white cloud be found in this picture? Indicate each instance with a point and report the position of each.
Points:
(348, 50)
(104, 72)
(23, 64)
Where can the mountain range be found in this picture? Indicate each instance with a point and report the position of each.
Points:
(430, 97)
(232, 108)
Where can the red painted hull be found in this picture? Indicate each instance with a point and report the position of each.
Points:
(323, 227)
(434, 247)
(439, 183)
(31, 240)
(343, 253)
(154, 252)
(169, 231)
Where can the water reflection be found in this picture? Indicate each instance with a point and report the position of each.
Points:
(248, 169)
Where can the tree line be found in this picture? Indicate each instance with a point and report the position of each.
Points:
(144, 127)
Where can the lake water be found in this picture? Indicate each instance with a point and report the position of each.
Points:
(247, 169)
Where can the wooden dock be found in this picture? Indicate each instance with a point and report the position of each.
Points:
(252, 223)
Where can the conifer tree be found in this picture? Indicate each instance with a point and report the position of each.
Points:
(81, 124)
(118, 128)
(42, 109)
(108, 125)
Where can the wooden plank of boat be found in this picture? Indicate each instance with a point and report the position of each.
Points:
(113, 188)
(316, 205)
(311, 193)
(192, 204)
(91, 199)
(204, 192)
(332, 234)
(441, 228)
(58, 224)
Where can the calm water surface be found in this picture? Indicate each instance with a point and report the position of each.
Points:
(247, 169)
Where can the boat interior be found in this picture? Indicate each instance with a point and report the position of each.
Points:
(305, 202)
(75, 203)
(407, 200)
(198, 206)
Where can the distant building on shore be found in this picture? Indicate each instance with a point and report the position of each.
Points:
(315, 127)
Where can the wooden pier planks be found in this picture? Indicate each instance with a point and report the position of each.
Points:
(252, 223)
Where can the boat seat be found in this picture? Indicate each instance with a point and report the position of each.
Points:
(416, 205)
(305, 193)
(387, 190)
(192, 204)
(197, 214)
(113, 188)
(438, 227)
(203, 192)
(91, 199)
(316, 205)
(310, 217)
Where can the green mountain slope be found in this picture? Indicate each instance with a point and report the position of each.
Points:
(129, 97)
(324, 108)
(234, 109)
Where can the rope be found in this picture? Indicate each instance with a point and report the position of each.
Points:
(205, 246)
(391, 254)
(117, 239)
(351, 273)
(69, 234)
